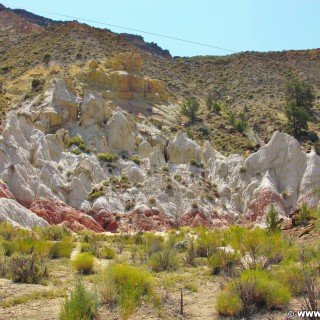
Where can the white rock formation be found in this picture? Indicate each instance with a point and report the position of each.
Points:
(36, 161)
(182, 150)
(19, 216)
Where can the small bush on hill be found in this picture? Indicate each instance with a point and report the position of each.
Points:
(106, 157)
(136, 160)
(78, 141)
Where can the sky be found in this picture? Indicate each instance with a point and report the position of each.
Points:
(236, 25)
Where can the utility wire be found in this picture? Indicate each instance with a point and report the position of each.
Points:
(132, 29)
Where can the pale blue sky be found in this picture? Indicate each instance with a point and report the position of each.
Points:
(240, 25)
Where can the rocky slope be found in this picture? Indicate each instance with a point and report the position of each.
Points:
(13, 23)
(89, 153)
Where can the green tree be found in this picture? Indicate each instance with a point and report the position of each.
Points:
(272, 219)
(300, 96)
(301, 92)
(46, 57)
(190, 108)
(297, 118)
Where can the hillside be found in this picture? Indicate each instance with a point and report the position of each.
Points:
(251, 82)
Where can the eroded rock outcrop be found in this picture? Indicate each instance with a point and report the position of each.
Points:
(123, 80)
(55, 212)
(182, 150)
(80, 159)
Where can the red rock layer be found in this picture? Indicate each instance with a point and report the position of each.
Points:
(259, 206)
(4, 191)
(59, 212)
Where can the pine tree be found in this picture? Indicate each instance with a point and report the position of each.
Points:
(299, 98)
(272, 219)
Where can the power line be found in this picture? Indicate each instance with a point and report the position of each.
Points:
(132, 29)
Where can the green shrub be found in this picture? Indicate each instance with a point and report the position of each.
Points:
(95, 195)
(92, 246)
(224, 261)
(53, 232)
(228, 303)
(136, 160)
(81, 305)
(46, 57)
(208, 242)
(6, 69)
(151, 244)
(194, 205)
(190, 108)
(7, 231)
(194, 162)
(291, 276)
(304, 215)
(83, 263)
(77, 152)
(165, 169)
(178, 177)
(27, 269)
(78, 141)
(36, 84)
(9, 248)
(126, 286)
(260, 248)
(164, 260)
(108, 289)
(106, 157)
(243, 169)
(107, 253)
(61, 249)
(255, 289)
(26, 245)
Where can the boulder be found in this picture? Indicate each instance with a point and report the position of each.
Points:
(106, 219)
(119, 81)
(135, 174)
(95, 78)
(157, 159)
(65, 99)
(94, 110)
(120, 133)
(144, 149)
(131, 62)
